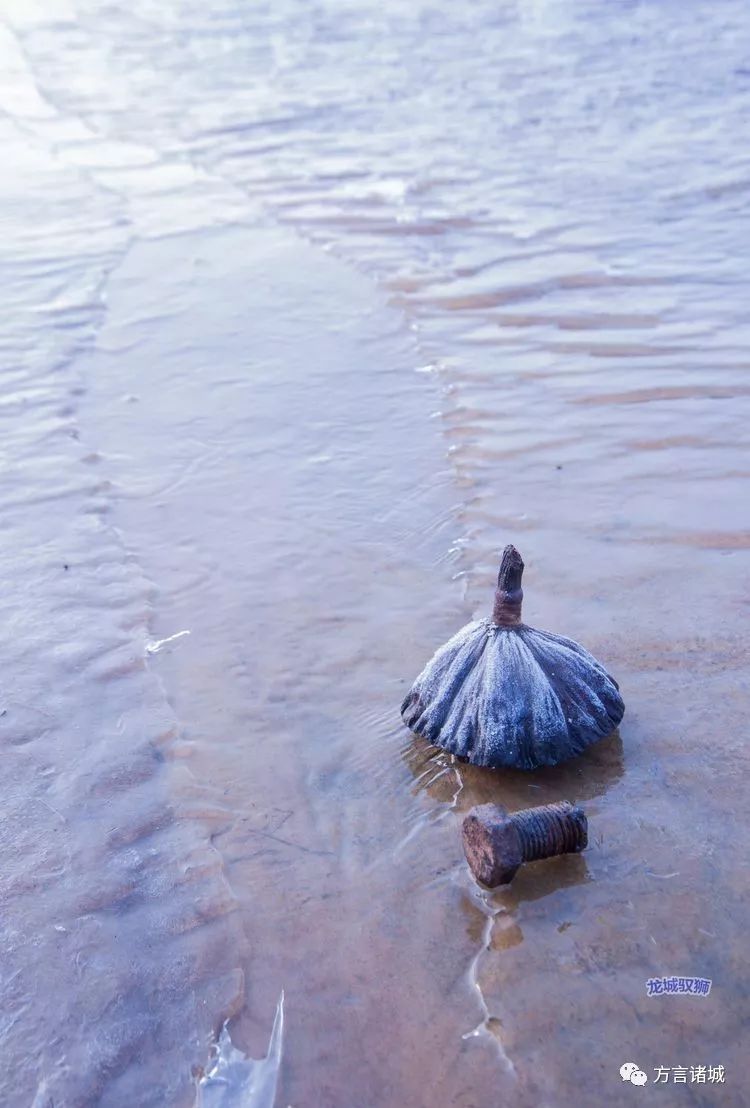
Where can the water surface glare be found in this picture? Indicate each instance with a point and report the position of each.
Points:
(309, 309)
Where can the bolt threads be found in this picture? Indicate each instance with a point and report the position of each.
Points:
(550, 830)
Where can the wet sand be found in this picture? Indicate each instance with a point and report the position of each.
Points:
(312, 558)
(287, 361)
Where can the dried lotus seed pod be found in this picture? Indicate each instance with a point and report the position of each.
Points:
(500, 693)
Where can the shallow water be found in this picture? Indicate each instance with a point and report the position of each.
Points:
(309, 310)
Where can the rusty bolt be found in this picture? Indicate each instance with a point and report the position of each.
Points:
(496, 843)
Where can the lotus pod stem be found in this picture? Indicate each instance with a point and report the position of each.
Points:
(509, 594)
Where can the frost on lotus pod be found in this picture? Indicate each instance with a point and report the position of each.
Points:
(500, 693)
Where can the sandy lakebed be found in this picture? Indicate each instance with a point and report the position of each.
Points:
(309, 309)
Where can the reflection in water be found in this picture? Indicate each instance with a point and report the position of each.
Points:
(543, 878)
(449, 780)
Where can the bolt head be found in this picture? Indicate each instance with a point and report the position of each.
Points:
(491, 845)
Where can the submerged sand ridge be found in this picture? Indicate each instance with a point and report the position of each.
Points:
(276, 548)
